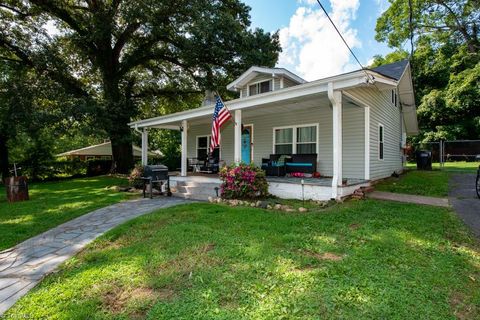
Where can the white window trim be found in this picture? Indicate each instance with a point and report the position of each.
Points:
(294, 136)
(260, 81)
(208, 145)
(252, 146)
(383, 141)
(208, 136)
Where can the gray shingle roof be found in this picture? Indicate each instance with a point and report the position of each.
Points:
(392, 70)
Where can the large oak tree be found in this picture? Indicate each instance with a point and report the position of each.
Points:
(114, 53)
(446, 62)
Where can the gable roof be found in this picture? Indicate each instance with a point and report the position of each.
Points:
(252, 72)
(392, 70)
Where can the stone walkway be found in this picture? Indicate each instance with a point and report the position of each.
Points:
(23, 266)
(408, 198)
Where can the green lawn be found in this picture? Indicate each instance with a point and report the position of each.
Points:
(358, 260)
(52, 203)
(423, 183)
(460, 166)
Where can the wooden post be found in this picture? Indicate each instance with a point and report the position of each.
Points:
(336, 100)
(237, 143)
(145, 147)
(183, 170)
(17, 189)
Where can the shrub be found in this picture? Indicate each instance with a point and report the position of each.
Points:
(243, 182)
(135, 177)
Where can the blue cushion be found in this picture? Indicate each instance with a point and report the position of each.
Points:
(299, 164)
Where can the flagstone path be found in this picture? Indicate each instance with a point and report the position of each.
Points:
(23, 266)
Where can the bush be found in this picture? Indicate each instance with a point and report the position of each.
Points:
(135, 177)
(98, 167)
(243, 182)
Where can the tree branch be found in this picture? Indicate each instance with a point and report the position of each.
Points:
(123, 38)
(154, 92)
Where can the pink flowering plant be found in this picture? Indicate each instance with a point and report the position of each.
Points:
(243, 181)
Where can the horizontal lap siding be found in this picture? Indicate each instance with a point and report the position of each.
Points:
(288, 83)
(263, 134)
(353, 142)
(382, 111)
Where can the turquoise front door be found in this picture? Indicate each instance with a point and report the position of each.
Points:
(247, 145)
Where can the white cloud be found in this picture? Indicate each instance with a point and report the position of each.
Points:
(311, 46)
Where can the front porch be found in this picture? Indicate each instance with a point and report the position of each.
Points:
(322, 119)
(201, 186)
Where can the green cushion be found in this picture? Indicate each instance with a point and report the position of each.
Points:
(281, 160)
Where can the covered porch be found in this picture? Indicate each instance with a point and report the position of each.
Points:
(201, 186)
(342, 135)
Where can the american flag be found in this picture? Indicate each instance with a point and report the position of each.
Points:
(220, 116)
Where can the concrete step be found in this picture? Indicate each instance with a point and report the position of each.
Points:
(197, 184)
(201, 197)
(197, 190)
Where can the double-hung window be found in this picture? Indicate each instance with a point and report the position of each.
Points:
(380, 141)
(306, 140)
(284, 141)
(295, 140)
(260, 87)
(203, 143)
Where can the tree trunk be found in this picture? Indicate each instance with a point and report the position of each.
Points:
(4, 167)
(118, 114)
(122, 154)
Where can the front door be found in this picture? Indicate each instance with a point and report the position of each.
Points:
(247, 144)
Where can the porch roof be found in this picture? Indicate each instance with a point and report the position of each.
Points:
(295, 95)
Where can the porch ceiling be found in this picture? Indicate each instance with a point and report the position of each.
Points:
(310, 102)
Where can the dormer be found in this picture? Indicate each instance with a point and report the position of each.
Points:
(258, 80)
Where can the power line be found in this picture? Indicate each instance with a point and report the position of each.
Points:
(343, 39)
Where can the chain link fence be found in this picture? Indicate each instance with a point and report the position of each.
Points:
(446, 151)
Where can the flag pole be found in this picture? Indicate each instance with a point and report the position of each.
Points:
(220, 97)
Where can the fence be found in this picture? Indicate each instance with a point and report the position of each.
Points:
(450, 150)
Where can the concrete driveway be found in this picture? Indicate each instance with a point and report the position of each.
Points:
(464, 199)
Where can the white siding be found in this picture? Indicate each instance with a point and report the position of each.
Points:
(353, 141)
(288, 83)
(383, 112)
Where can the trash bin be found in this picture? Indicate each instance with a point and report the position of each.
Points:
(424, 160)
(17, 189)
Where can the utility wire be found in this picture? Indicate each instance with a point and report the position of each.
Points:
(344, 41)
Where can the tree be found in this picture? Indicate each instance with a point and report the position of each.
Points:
(117, 53)
(29, 116)
(446, 62)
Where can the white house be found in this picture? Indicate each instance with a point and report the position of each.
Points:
(354, 123)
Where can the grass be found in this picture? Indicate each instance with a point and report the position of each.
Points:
(51, 204)
(359, 260)
(426, 183)
(423, 183)
(460, 166)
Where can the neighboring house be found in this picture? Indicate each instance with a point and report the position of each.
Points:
(102, 151)
(356, 123)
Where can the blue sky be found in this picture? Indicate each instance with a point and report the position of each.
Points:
(311, 47)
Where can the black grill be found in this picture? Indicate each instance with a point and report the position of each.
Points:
(156, 175)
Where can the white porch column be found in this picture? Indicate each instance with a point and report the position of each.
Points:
(183, 170)
(237, 143)
(336, 100)
(367, 142)
(145, 146)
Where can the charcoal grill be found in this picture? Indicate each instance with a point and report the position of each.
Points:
(156, 175)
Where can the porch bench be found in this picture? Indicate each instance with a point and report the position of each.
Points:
(305, 163)
(274, 166)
